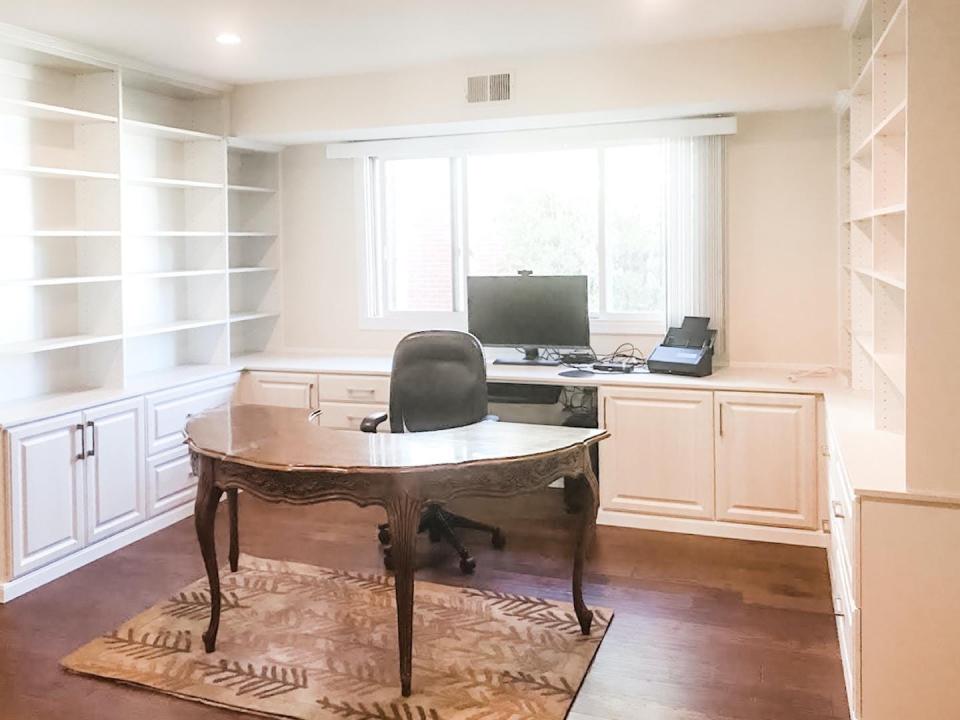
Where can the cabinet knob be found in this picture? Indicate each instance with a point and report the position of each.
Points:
(93, 439)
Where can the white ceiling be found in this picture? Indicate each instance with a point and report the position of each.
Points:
(305, 38)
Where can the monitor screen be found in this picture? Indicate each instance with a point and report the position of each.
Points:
(529, 311)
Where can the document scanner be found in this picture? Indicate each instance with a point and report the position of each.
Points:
(686, 350)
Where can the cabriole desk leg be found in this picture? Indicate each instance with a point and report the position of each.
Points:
(205, 515)
(403, 514)
(589, 503)
(234, 555)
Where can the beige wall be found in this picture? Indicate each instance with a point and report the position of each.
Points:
(782, 240)
(772, 71)
(781, 243)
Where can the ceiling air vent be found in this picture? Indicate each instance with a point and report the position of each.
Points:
(488, 88)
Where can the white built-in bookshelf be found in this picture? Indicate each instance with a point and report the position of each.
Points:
(137, 237)
(872, 153)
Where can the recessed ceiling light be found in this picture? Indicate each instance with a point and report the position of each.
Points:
(228, 38)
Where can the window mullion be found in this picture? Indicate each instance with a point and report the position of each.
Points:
(601, 234)
(386, 257)
(458, 231)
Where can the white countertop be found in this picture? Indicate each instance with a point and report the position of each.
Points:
(752, 379)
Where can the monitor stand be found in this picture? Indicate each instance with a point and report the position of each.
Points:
(531, 356)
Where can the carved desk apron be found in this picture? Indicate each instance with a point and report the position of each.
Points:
(279, 455)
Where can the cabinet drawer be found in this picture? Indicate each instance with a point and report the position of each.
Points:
(848, 634)
(353, 388)
(347, 416)
(843, 556)
(843, 522)
(167, 411)
(170, 482)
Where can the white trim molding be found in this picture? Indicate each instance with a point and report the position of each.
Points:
(714, 528)
(39, 42)
(604, 135)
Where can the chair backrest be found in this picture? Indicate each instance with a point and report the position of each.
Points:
(439, 380)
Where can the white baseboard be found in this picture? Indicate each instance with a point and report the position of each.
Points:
(713, 528)
(41, 576)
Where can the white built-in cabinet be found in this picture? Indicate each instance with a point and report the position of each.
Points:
(75, 479)
(107, 474)
(766, 459)
(748, 458)
(660, 458)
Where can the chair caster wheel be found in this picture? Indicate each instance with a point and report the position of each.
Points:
(468, 565)
(388, 559)
(499, 540)
(384, 536)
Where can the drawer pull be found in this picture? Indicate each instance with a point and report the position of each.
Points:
(838, 608)
(83, 442)
(93, 439)
(363, 392)
(838, 509)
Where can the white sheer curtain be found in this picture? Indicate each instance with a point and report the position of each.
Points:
(694, 228)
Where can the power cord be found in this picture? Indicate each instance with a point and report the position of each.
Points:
(626, 353)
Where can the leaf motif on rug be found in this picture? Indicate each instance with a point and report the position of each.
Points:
(196, 605)
(541, 683)
(148, 646)
(267, 682)
(376, 711)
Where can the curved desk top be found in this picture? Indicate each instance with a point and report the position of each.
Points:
(279, 438)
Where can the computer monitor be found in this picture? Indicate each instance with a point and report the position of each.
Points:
(529, 312)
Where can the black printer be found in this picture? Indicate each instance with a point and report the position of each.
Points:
(686, 350)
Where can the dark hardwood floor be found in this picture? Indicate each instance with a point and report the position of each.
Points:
(705, 629)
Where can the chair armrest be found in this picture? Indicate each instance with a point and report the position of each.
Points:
(491, 418)
(372, 421)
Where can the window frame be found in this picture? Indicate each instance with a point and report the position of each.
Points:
(374, 260)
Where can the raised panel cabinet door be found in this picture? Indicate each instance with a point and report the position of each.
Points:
(766, 448)
(659, 458)
(46, 484)
(284, 389)
(116, 488)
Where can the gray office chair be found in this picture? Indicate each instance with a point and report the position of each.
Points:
(438, 381)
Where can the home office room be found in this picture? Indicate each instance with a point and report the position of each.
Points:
(470, 361)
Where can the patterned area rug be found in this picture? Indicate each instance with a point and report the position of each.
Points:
(307, 642)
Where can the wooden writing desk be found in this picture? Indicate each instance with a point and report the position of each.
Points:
(279, 455)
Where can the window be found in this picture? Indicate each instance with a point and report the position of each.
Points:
(609, 213)
(418, 229)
